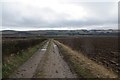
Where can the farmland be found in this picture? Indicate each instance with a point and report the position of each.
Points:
(16, 45)
(103, 50)
(17, 51)
(78, 56)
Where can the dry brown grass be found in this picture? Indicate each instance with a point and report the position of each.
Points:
(103, 50)
(83, 66)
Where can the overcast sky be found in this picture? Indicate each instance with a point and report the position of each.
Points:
(58, 14)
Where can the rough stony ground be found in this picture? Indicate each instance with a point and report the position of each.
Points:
(55, 66)
(28, 69)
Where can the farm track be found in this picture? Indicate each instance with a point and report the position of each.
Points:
(27, 70)
(49, 60)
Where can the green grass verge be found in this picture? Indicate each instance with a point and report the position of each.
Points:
(19, 59)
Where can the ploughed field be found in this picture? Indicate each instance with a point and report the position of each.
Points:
(103, 50)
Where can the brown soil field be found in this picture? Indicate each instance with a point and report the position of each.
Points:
(103, 50)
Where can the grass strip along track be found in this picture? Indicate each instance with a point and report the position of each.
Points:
(52, 64)
(18, 59)
(40, 70)
(82, 66)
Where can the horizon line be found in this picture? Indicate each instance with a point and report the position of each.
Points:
(55, 29)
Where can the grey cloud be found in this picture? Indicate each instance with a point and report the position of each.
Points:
(101, 15)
